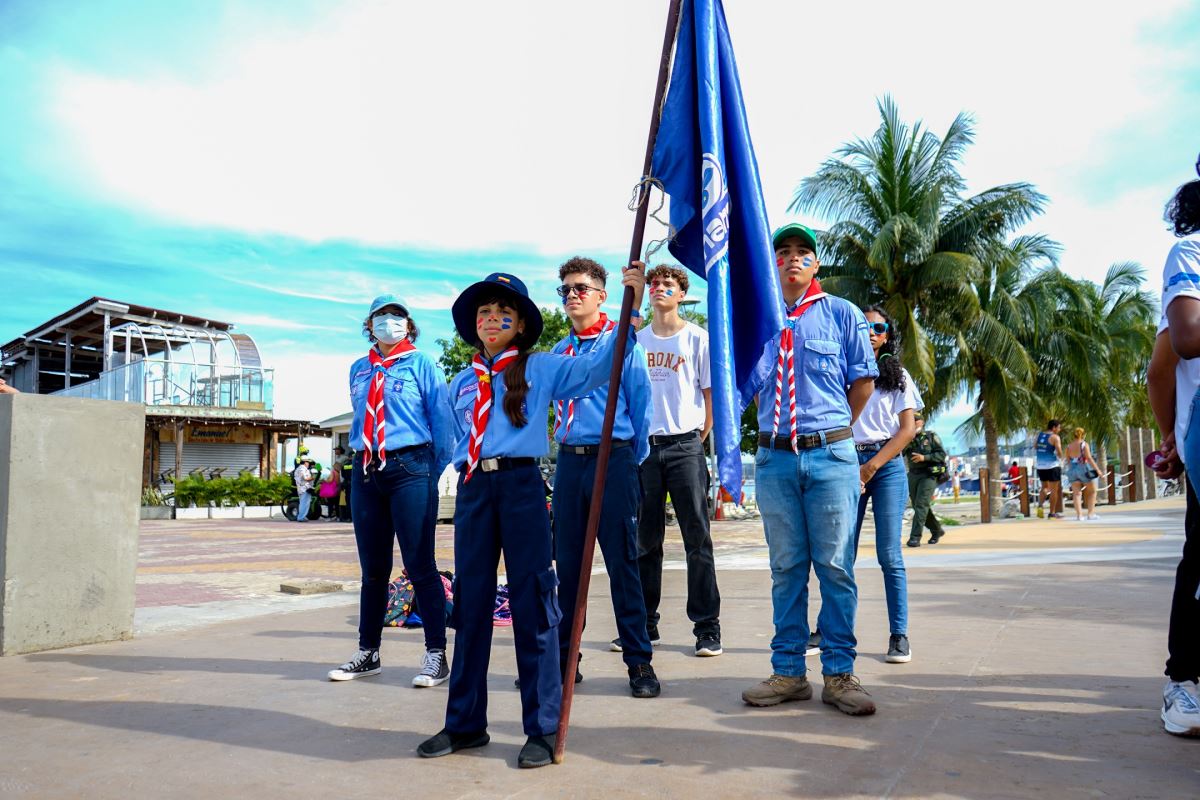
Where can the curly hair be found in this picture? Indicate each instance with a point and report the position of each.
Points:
(1183, 211)
(891, 371)
(586, 266)
(668, 271)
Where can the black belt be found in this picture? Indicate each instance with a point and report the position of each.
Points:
(805, 441)
(358, 454)
(671, 438)
(871, 447)
(502, 463)
(591, 449)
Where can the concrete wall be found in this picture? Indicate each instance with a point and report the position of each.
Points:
(70, 481)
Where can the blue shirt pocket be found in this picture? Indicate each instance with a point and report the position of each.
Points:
(821, 354)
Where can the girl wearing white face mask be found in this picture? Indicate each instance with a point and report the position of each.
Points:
(401, 440)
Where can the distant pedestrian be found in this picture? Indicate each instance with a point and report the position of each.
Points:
(1173, 379)
(1049, 467)
(926, 469)
(1081, 475)
(303, 477)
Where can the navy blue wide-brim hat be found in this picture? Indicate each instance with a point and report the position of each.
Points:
(503, 284)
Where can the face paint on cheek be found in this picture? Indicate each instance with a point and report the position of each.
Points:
(506, 323)
(779, 261)
(807, 262)
(670, 292)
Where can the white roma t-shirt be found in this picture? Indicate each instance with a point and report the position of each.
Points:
(1181, 278)
(679, 372)
(880, 417)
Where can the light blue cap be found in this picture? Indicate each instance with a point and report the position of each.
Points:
(387, 300)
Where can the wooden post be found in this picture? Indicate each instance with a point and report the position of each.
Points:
(985, 495)
(1131, 492)
(1023, 488)
(1148, 446)
(1112, 486)
(178, 451)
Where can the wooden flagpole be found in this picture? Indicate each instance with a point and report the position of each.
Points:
(614, 383)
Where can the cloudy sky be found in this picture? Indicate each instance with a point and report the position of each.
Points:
(277, 164)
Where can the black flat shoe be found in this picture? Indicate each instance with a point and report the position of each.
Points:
(537, 752)
(445, 743)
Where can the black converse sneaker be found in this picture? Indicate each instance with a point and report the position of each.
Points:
(434, 669)
(364, 663)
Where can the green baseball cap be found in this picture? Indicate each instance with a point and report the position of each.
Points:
(794, 229)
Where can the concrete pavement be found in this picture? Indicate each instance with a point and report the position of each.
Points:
(1034, 675)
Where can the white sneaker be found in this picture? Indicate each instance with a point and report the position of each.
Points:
(1093, 517)
(364, 663)
(434, 669)
(1181, 709)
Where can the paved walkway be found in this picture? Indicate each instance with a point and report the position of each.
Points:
(1035, 674)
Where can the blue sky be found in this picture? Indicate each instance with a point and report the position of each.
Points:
(278, 164)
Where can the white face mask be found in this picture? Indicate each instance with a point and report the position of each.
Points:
(389, 328)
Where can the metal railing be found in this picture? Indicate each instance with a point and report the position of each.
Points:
(155, 382)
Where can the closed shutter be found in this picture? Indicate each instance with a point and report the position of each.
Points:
(210, 455)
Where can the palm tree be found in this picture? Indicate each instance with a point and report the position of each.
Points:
(988, 358)
(905, 238)
(1092, 359)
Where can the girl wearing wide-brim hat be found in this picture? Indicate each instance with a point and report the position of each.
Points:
(401, 439)
(500, 408)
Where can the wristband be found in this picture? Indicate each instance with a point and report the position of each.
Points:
(635, 313)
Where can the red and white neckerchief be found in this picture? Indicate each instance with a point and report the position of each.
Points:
(587, 334)
(483, 403)
(374, 435)
(787, 359)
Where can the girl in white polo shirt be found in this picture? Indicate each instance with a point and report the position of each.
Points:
(885, 426)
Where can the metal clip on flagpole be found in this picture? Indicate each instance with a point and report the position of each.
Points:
(614, 384)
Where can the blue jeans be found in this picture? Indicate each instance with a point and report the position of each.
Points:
(889, 491)
(398, 504)
(305, 503)
(808, 503)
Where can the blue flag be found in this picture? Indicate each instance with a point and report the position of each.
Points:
(705, 160)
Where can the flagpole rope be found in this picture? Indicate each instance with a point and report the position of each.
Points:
(641, 195)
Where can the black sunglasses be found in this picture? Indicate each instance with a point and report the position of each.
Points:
(878, 328)
(580, 289)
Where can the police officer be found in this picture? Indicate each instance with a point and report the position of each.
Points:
(577, 426)
(926, 469)
(812, 381)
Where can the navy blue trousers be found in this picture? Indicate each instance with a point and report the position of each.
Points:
(397, 503)
(617, 538)
(505, 512)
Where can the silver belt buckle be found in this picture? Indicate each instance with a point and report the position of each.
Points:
(489, 464)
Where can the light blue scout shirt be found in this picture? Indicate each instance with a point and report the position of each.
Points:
(633, 403)
(832, 351)
(416, 406)
(550, 377)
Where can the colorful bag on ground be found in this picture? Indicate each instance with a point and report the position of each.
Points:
(401, 602)
(414, 617)
(502, 616)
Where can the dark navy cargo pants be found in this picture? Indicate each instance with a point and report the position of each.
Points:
(617, 537)
(496, 512)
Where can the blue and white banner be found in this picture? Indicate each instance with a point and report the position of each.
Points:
(705, 160)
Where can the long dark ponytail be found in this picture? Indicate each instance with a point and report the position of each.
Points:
(891, 371)
(516, 384)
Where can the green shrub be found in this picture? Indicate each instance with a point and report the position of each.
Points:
(221, 491)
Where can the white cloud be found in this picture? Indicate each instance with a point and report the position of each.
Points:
(482, 124)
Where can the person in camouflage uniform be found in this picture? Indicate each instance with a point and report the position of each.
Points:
(926, 458)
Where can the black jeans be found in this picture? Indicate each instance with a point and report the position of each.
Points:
(1183, 638)
(398, 503)
(679, 468)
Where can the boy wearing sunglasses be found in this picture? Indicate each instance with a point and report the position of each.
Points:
(577, 426)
